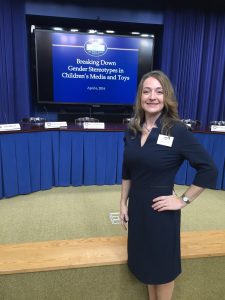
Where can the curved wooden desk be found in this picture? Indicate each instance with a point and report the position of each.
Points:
(37, 159)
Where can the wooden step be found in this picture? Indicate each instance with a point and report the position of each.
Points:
(96, 251)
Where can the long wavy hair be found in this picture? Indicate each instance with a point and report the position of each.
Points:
(169, 112)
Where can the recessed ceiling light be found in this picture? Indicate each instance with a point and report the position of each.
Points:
(92, 31)
(57, 28)
(110, 31)
(32, 27)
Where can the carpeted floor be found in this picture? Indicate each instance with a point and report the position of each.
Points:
(75, 212)
(202, 279)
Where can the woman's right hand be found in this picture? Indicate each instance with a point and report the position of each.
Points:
(124, 215)
(125, 187)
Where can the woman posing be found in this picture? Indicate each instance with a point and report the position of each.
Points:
(156, 145)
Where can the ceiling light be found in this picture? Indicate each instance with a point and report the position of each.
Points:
(57, 28)
(32, 27)
(92, 31)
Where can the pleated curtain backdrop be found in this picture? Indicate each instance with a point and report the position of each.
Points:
(14, 94)
(193, 57)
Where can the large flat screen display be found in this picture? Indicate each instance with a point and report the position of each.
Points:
(78, 68)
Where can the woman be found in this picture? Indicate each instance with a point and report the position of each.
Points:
(156, 144)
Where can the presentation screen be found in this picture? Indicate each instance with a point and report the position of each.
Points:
(78, 68)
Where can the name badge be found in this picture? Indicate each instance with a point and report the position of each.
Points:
(165, 140)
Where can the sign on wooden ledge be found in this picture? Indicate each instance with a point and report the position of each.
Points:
(10, 127)
(94, 125)
(219, 128)
(49, 125)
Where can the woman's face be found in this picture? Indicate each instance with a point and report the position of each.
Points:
(152, 99)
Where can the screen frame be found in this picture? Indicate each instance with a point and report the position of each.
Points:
(46, 23)
(43, 52)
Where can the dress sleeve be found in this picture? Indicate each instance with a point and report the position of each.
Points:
(198, 158)
(125, 168)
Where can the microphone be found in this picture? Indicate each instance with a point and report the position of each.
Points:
(45, 109)
(6, 119)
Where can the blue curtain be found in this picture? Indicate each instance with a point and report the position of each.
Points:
(193, 57)
(14, 95)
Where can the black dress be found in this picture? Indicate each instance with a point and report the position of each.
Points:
(154, 237)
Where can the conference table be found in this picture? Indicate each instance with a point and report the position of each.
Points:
(35, 158)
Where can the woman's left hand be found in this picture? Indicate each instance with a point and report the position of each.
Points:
(171, 202)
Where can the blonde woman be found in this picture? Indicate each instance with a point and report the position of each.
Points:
(156, 144)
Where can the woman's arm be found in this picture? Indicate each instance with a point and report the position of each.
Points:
(174, 202)
(206, 172)
(125, 188)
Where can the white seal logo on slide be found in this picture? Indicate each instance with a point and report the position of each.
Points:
(95, 47)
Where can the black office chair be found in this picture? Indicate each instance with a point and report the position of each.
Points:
(33, 121)
(80, 121)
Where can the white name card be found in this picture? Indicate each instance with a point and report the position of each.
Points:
(220, 128)
(94, 125)
(165, 140)
(55, 124)
(10, 127)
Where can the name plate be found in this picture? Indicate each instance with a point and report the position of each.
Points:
(10, 127)
(55, 124)
(94, 125)
(220, 128)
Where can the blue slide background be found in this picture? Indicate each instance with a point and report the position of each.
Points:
(101, 91)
